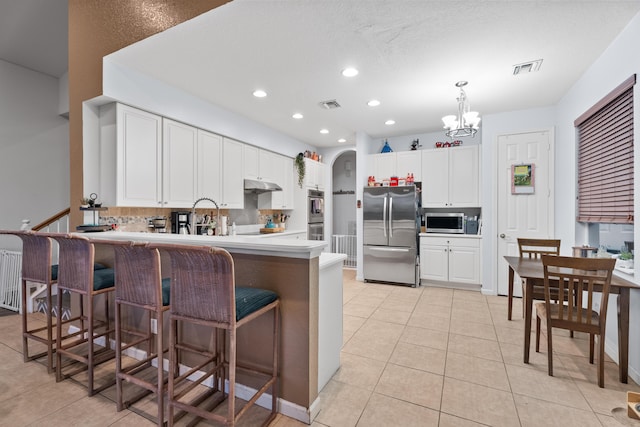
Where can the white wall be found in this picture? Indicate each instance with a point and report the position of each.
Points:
(615, 65)
(344, 205)
(137, 90)
(494, 125)
(34, 149)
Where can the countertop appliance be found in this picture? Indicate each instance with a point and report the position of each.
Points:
(390, 233)
(180, 221)
(447, 222)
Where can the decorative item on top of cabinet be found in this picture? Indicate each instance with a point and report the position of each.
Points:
(300, 169)
(415, 144)
(386, 148)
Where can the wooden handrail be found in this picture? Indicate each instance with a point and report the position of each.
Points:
(51, 220)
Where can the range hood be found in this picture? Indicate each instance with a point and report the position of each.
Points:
(255, 186)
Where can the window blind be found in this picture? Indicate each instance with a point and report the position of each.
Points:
(605, 158)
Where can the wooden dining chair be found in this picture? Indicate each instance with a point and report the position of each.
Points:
(535, 248)
(575, 280)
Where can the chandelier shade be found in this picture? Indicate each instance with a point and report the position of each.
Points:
(466, 122)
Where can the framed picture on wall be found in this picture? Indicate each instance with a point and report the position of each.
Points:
(523, 179)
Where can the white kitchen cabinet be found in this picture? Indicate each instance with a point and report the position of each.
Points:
(146, 161)
(399, 164)
(130, 157)
(179, 164)
(209, 183)
(251, 162)
(381, 165)
(282, 199)
(261, 165)
(409, 162)
(451, 177)
(450, 259)
(314, 174)
(232, 174)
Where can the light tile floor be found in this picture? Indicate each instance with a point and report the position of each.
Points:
(423, 356)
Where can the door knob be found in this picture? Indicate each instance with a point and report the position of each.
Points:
(502, 236)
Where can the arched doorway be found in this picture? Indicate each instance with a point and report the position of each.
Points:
(343, 239)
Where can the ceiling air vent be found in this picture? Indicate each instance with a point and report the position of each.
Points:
(527, 67)
(329, 105)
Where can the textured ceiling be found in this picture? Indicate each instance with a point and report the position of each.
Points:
(409, 53)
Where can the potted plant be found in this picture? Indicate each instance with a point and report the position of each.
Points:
(299, 162)
(625, 259)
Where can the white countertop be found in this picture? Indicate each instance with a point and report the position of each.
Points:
(289, 248)
(458, 235)
(328, 259)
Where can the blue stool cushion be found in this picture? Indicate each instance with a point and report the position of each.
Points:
(249, 300)
(166, 282)
(54, 269)
(103, 278)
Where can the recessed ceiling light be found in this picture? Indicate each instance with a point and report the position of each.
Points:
(259, 93)
(324, 131)
(297, 116)
(373, 103)
(342, 140)
(390, 122)
(350, 72)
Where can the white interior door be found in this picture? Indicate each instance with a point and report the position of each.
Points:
(528, 213)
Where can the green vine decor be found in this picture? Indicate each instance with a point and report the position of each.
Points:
(299, 162)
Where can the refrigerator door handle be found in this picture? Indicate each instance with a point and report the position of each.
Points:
(388, 249)
(384, 217)
(390, 216)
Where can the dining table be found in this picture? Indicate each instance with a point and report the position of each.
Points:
(531, 271)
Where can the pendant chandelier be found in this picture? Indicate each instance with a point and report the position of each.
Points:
(466, 122)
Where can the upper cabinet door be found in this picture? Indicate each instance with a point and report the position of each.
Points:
(314, 174)
(464, 176)
(138, 158)
(233, 182)
(451, 177)
(209, 182)
(435, 176)
(408, 162)
(251, 162)
(179, 164)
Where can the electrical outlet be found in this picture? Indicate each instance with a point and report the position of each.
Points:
(154, 326)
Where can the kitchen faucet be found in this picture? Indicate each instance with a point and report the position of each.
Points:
(193, 213)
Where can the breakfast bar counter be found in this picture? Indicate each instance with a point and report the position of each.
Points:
(292, 269)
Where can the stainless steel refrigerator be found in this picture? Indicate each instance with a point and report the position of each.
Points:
(390, 234)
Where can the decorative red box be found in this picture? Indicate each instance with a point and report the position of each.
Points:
(394, 181)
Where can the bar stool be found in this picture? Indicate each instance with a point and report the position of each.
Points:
(139, 284)
(203, 293)
(36, 268)
(76, 274)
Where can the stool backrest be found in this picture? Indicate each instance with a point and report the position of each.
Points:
(202, 283)
(137, 273)
(36, 255)
(75, 264)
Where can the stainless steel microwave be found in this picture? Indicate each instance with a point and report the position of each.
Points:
(452, 222)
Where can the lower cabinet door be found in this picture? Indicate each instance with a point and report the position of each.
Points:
(464, 265)
(434, 261)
